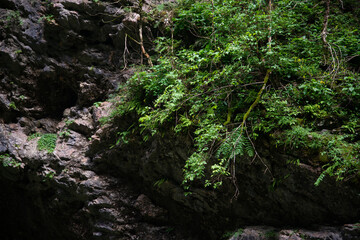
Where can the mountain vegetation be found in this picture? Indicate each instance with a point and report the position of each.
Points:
(231, 73)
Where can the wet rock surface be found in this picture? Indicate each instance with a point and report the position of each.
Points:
(58, 58)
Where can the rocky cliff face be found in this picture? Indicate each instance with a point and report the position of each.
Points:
(57, 58)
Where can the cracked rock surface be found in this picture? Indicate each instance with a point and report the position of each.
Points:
(59, 62)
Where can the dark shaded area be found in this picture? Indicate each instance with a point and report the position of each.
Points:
(7, 4)
(30, 209)
(293, 201)
(55, 96)
(355, 63)
(20, 217)
(7, 116)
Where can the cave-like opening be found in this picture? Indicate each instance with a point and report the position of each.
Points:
(55, 96)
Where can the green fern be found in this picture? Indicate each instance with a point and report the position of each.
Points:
(235, 145)
(47, 142)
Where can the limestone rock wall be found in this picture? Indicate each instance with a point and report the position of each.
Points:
(59, 57)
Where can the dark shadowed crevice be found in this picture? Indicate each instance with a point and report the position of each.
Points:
(7, 4)
(55, 96)
(20, 217)
(26, 213)
(8, 116)
(355, 63)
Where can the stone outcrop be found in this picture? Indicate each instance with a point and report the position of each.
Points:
(59, 61)
(66, 197)
(57, 58)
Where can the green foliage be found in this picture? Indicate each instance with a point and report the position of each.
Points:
(209, 71)
(344, 159)
(69, 122)
(33, 136)
(17, 52)
(300, 138)
(50, 174)
(8, 161)
(47, 142)
(231, 234)
(239, 232)
(194, 167)
(159, 182)
(97, 104)
(47, 18)
(271, 235)
(276, 182)
(235, 145)
(65, 133)
(12, 106)
(13, 18)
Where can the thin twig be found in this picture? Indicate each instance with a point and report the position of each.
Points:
(257, 155)
(342, 4)
(270, 19)
(213, 39)
(326, 20)
(141, 35)
(334, 58)
(217, 89)
(142, 45)
(232, 166)
(125, 51)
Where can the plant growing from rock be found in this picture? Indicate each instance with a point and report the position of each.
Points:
(65, 133)
(47, 18)
(12, 105)
(47, 142)
(13, 18)
(8, 161)
(33, 136)
(213, 81)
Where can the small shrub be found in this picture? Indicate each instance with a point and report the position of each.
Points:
(34, 135)
(69, 122)
(47, 18)
(65, 133)
(47, 142)
(13, 18)
(8, 161)
(12, 106)
(50, 175)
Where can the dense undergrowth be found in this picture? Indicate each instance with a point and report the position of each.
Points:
(230, 73)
